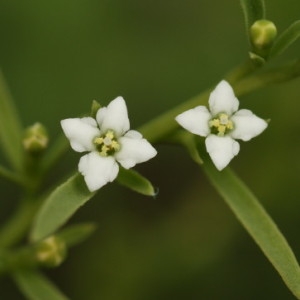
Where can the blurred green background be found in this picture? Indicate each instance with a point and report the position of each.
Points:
(58, 56)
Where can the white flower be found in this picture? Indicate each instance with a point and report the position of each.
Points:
(222, 124)
(108, 141)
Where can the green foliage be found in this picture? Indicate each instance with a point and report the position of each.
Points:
(136, 182)
(253, 10)
(10, 127)
(75, 234)
(35, 286)
(61, 204)
(136, 54)
(286, 39)
(258, 223)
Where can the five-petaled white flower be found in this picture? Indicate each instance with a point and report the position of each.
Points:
(222, 124)
(108, 141)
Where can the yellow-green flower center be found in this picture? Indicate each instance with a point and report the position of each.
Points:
(107, 144)
(221, 124)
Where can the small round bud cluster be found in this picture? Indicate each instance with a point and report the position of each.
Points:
(51, 251)
(262, 36)
(35, 139)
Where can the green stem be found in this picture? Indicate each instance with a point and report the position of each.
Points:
(163, 125)
(241, 71)
(18, 259)
(155, 131)
(268, 77)
(160, 127)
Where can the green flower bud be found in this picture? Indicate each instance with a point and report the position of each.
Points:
(35, 139)
(262, 35)
(51, 252)
(94, 109)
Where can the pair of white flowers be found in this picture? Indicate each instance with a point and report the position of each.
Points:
(110, 142)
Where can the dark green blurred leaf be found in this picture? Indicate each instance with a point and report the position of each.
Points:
(253, 10)
(10, 127)
(258, 223)
(9, 175)
(136, 182)
(35, 286)
(62, 203)
(189, 142)
(76, 234)
(55, 152)
(286, 39)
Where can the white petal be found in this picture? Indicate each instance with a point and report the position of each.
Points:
(222, 99)
(114, 117)
(221, 150)
(80, 132)
(134, 150)
(134, 134)
(195, 120)
(97, 170)
(247, 125)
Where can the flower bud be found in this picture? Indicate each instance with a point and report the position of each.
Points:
(94, 109)
(262, 34)
(51, 251)
(35, 139)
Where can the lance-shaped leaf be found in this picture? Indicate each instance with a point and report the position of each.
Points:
(286, 39)
(136, 182)
(76, 234)
(10, 127)
(253, 10)
(35, 286)
(61, 204)
(258, 224)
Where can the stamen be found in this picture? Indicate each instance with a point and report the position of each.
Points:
(107, 144)
(221, 124)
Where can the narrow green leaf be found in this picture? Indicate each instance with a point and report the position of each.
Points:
(253, 10)
(258, 224)
(76, 234)
(10, 127)
(136, 182)
(61, 204)
(286, 39)
(35, 286)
